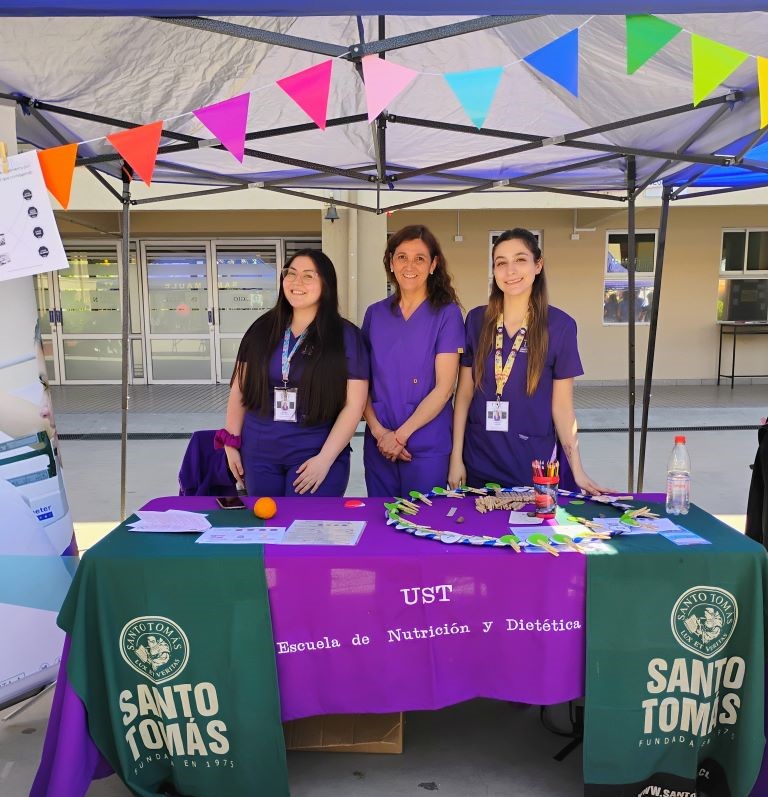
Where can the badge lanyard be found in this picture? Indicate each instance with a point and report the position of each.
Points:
(502, 374)
(285, 362)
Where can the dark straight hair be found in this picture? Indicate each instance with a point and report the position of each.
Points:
(440, 291)
(537, 337)
(323, 383)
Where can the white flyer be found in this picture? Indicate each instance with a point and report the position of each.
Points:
(324, 532)
(29, 238)
(249, 535)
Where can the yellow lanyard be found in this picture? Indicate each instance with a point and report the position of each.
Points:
(502, 374)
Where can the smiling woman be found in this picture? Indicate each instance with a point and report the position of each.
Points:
(298, 388)
(514, 401)
(414, 339)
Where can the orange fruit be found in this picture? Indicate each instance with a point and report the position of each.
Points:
(265, 508)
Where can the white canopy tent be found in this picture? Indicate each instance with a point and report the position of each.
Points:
(78, 79)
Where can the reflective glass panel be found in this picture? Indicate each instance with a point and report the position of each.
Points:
(732, 258)
(247, 284)
(177, 281)
(181, 359)
(92, 359)
(89, 290)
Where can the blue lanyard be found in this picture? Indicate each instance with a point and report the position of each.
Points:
(285, 362)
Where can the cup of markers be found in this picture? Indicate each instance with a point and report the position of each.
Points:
(546, 480)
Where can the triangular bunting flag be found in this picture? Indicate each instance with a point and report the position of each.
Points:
(58, 166)
(227, 120)
(383, 82)
(559, 61)
(475, 90)
(139, 148)
(646, 35)
(309, 89)
(712, 64)
(762, 81)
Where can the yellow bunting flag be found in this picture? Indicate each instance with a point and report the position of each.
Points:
(712, 64)
(58, 166)
(762, 80)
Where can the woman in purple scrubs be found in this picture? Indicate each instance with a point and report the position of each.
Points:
(414, 338)
(298, 389)
(514, 401)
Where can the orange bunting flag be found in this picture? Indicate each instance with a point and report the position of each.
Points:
(138, 146)
(762, 81)
(58, 167)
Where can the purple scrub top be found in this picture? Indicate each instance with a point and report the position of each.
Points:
(506, 457)
(403, 366)
(291, 443)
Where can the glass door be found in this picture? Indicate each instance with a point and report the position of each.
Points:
(246, 287)
(46, 318)
(178, 315)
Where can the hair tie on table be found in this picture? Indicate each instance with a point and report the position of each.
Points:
(224, 438)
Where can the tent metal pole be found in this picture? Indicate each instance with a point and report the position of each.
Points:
(190, 194)
(630, 299)
(716, 116)
(125, 230)
(661, 246)
(713, 192)
(303, 195)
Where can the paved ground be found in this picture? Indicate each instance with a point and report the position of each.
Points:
(478, 748)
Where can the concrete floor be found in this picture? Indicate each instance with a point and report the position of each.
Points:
(477, 748)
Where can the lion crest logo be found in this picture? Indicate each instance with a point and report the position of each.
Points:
(156, 647)
(703, 620)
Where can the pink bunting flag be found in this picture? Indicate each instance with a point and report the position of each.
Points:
(228, 120)
(309, 89)
(383, 82)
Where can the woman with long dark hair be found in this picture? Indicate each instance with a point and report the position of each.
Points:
(514, 401)
(414, 338)
(298, 389)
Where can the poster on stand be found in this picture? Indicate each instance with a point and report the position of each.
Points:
(29, 238)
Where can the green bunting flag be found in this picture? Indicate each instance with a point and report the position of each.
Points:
(712, 64)
(646, 35)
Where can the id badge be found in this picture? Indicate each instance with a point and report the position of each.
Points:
(496, 416)
(285, 404)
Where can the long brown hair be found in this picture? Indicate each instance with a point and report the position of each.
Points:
(537, 337)
(440, 291)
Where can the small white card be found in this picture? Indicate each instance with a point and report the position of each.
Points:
(285, 404)
(173, 520)
(496, 416)
(249, 535)
(524, 519)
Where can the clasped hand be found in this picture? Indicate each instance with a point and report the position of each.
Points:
(390, 449)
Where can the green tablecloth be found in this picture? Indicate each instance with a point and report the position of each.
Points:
(675, 663)
(173, 658)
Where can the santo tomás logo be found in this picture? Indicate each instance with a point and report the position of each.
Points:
(704, 619)
(156, 647)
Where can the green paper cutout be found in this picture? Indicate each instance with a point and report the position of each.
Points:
(577, 502)
(493, 486)
(439, 491)
(646, 35)
(712, 64)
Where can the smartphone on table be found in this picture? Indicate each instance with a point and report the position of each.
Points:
(230, 502)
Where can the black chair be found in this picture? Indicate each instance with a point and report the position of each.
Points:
(757, 503)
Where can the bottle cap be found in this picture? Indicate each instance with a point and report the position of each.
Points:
(680, 438)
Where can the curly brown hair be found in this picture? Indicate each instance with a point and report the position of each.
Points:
(440, 290)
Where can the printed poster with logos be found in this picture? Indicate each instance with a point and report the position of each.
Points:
(29, 238)
(675, 666)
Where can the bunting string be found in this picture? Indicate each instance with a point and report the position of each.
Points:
(712, 63)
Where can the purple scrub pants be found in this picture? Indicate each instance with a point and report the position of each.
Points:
(273, 479)
(384, 479)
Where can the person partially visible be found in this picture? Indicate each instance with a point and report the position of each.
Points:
(414, 338)
(298, 389)
(514, 401)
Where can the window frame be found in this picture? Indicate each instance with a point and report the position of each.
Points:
(617, 276)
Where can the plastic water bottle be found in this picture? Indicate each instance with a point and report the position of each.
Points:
(679, 479)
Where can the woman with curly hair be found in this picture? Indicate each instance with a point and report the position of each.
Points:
(414, 338)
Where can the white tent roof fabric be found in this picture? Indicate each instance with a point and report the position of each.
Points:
(141, 70)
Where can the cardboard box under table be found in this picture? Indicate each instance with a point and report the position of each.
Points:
(346, 733)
